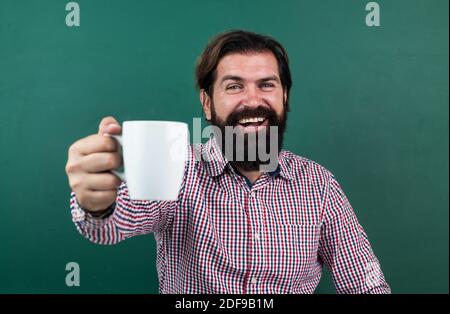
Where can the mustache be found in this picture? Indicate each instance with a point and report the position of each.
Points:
(247, 112)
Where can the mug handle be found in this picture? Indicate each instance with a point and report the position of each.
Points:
(120, 172)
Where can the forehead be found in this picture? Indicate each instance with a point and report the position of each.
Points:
(248, 65)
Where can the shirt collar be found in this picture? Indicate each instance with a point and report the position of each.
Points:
(212, 157)
(215, 162)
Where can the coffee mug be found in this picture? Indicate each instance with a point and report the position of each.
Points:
(154, 156)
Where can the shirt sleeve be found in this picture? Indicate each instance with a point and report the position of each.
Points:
(345, 249)
(129, 218)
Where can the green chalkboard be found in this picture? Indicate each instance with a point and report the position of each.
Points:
(370, 103)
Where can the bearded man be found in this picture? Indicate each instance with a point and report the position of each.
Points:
(250, 217)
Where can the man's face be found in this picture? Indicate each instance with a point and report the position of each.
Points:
(247, 94)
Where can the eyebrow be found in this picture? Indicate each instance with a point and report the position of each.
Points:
(240, 79)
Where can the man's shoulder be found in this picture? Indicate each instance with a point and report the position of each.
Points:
(304, 168)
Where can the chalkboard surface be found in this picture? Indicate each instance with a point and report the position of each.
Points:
(369, 103)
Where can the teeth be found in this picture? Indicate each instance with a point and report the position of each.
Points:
(251, 120)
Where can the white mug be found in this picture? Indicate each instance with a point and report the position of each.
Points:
(154, 156)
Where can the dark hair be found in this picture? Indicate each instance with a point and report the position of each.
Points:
(239, 41)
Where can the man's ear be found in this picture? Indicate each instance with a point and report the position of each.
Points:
(285, 96)
(206, 104)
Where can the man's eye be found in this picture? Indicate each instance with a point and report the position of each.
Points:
(233, 87)
(267, 85)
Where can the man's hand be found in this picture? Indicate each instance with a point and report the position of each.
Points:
(89, 162)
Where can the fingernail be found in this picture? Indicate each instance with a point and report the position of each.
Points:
(110, 126)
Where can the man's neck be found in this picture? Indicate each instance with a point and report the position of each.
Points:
(251, 175)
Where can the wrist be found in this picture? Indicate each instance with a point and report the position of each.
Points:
(101, 214)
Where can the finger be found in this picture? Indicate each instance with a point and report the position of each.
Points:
(94, 144)
(109, 124)
(99, 162)
(101, 182)
(113, 129)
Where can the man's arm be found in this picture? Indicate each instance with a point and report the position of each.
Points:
(125, 219)
(345, 248)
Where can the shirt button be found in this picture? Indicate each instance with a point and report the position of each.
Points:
(252, 194)
(256, 236)
(254, 281)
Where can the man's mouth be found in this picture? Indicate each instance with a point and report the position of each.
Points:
(252, 124)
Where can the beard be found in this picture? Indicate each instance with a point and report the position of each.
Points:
(240, 147)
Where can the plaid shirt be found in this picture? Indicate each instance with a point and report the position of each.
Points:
(224, 236)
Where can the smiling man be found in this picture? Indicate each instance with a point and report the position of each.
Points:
(237, 226)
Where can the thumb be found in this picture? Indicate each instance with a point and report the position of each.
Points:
(109, 125)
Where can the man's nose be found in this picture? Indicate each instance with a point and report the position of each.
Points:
(253, 97)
